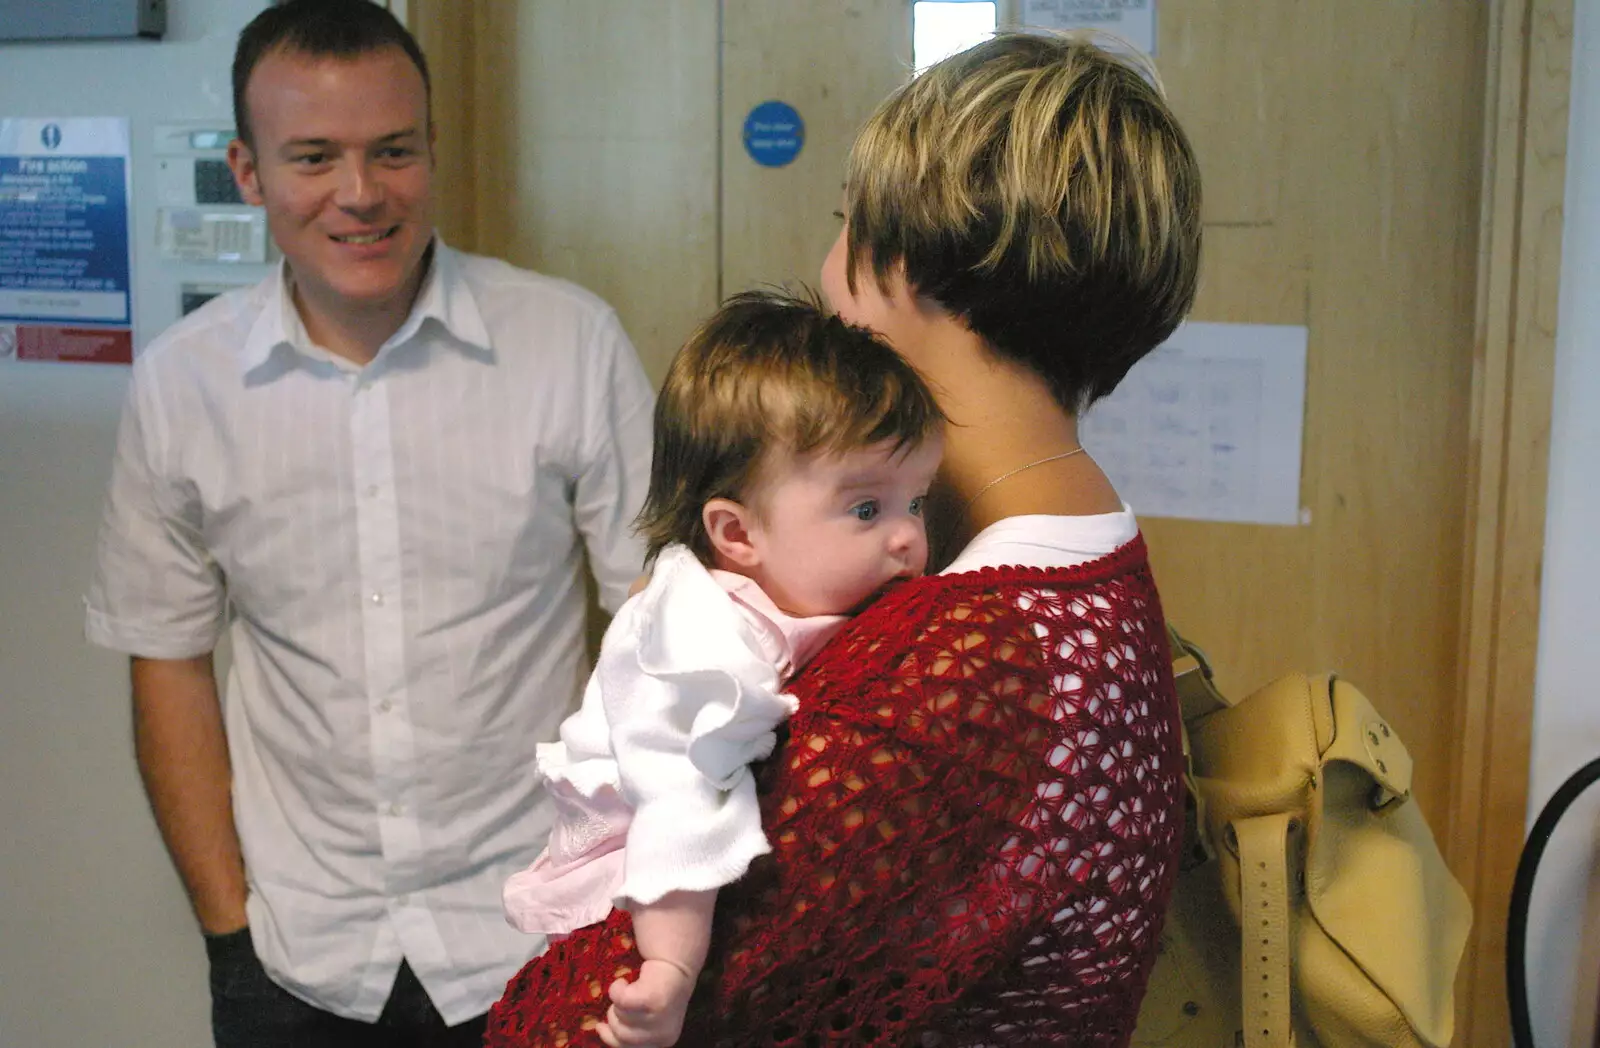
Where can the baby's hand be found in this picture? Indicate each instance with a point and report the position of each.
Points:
(648, 1012)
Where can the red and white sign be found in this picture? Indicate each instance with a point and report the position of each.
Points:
(76, 345)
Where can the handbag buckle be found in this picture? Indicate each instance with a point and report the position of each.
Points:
(1390, 764)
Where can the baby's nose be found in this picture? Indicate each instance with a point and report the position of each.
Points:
(910, 544)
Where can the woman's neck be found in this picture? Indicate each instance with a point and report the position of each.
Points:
(1004, 420)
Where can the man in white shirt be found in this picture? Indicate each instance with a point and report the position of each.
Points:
(380, 470)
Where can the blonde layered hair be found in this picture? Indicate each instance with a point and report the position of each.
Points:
(768, 375)
(1038, 188)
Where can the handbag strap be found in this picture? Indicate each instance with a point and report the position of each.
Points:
(1264, 928)
(1191, 676)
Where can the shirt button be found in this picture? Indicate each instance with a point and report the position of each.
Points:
(377, 598)
(397, 809)
(384, 706)
(372, 491)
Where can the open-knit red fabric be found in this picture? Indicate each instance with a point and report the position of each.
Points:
(975, 819)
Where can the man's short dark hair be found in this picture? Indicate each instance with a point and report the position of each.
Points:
(318, 29)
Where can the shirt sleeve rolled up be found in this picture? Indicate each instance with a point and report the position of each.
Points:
(156, 592)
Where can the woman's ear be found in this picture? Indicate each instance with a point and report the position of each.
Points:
(729, 525)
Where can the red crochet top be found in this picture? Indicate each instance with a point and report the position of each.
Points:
(975, 821)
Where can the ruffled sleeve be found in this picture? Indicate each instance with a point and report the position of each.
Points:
(691, 704)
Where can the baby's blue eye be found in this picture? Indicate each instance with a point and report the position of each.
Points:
(865, 510)
(916, 505)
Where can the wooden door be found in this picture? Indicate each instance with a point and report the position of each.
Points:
(1342, 147)
(777, 222)
(600, 140)
(593, 150)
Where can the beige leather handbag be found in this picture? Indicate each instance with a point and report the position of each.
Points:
(1317, 910)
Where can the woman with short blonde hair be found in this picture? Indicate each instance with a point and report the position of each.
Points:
(976, 817)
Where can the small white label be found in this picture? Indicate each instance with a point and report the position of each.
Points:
(186, 234)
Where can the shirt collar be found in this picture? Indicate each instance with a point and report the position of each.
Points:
(444, 298)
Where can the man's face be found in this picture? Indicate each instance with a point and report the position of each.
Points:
(343, 163)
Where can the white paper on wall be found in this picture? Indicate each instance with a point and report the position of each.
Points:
(1208, 427)
(1132, 20)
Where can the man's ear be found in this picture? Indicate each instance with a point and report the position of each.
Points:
(242, 162)
(729, 526)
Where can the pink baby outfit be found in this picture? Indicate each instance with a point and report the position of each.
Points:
(651, 778)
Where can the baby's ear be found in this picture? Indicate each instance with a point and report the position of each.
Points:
(728, 524)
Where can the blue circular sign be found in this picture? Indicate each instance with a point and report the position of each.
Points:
(773, 134)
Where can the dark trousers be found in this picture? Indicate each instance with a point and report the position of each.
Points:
(249, 1010)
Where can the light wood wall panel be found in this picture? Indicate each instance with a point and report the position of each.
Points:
(598, 119)
(1224, 66)
(445, 29)
(1524, 174)
(777, 223)
(1370, 132)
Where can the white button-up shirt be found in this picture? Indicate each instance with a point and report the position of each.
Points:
(397, 551)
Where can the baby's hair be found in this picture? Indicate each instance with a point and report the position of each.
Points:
(770, 373)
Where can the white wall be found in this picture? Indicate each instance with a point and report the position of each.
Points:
(1563, 957)
(97, 947)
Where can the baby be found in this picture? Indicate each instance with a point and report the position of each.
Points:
(793, 454)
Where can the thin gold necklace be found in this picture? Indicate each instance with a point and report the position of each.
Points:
(1011, 473)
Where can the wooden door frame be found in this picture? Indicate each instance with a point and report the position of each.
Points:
(1527, 86)
(1527, 82)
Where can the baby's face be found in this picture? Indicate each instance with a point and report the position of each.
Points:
(834, 529)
